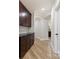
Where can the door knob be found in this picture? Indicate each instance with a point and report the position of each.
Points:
(56, 34)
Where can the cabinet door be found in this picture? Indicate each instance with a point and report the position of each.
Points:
(24, 16)
(28, 21)
(25, 43)
(23, 46)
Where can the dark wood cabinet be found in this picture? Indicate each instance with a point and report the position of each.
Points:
(24, 16)
(25, 43)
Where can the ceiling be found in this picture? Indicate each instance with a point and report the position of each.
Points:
(41, 7)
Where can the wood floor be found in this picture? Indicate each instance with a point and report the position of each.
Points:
(40, 50)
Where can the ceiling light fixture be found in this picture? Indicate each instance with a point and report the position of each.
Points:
(42, 9)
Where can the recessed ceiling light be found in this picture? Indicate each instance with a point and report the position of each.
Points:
(42, 9)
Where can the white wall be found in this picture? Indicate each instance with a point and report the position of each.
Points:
(48, 18)
(41, 28)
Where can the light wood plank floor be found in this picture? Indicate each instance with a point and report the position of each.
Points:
(40, 50)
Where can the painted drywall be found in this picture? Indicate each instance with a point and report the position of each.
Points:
(33, 5)
(41, 28)
(49, 22)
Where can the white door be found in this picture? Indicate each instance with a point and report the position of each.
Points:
(41, 28)
(57, 31)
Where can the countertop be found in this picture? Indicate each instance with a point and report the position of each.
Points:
(24, 34)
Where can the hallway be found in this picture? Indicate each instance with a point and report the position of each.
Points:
(40, 50)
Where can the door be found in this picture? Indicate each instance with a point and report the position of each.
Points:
(41, 28)
(57, 31)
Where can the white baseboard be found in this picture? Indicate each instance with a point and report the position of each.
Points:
(41, 38)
